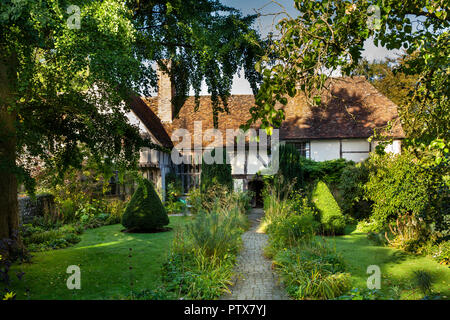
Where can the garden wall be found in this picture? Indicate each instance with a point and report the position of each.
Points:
(42, 205)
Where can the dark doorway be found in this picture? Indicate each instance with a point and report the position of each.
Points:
(256, 186)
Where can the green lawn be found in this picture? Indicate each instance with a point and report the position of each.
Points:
(103, 259)
(396, 266)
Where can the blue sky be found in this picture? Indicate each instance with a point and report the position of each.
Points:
(264, 25)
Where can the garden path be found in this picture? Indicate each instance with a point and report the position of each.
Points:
(255, 277)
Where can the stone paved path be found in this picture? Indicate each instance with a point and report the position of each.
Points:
(255, 278)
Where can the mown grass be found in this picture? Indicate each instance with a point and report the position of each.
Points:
(397, 267)
(103, 258)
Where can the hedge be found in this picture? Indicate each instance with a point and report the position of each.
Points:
(331, 217)
(216, 173)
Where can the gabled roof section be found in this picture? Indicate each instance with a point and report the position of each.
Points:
(351, 108)
(151, 121)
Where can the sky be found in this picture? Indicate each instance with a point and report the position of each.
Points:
(265, 24)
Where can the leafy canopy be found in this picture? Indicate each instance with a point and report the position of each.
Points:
(68, 88)
(65, 86)
(204, 40)
(329, 35)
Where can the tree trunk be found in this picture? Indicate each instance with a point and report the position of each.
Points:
(9, 214)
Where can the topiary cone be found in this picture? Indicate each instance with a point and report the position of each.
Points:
(145, 212)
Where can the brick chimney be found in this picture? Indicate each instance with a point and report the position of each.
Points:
(166, 91)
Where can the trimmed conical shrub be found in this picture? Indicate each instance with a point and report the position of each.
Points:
(145, 212)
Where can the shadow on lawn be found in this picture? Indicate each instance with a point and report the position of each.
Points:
(357, 244)
(104, 259)
(164, 229)
(397, 267)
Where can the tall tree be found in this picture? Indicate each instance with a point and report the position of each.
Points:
(203, 40)
(67, 69)
(63, 72)
(397, 86)
(329, 35)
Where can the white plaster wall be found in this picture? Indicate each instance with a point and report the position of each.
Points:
(322, 150)
(147, 155)
(356, 157)
(395, 147)
(255, 161)
(143, 155)
(238, 185)
(355, 145)
(237, 162)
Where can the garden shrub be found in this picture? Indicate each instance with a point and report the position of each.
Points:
(90, 210)
(332, 169)
(174, 190)
(216, 173)
(115, 210)
(39, 239)
(397, 186)
(410, 196)
(289, 165)
(302, 205)
(406, 233)
(292, 231)
(217, 195)
(312, 271)
(175, 207)
(217, 232)
(68, 210)
(195, 198)
(72, 228)
(195, 275)
(329, 171)
(441, 252)
(43, 236)
(145, 211)
(331, 218)
(203, 255)
(352, 193)
(45, 223)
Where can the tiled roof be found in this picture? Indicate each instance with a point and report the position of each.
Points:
(151, 121)
(352, 108)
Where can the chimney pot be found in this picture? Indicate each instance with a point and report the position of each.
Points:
(166, 92)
